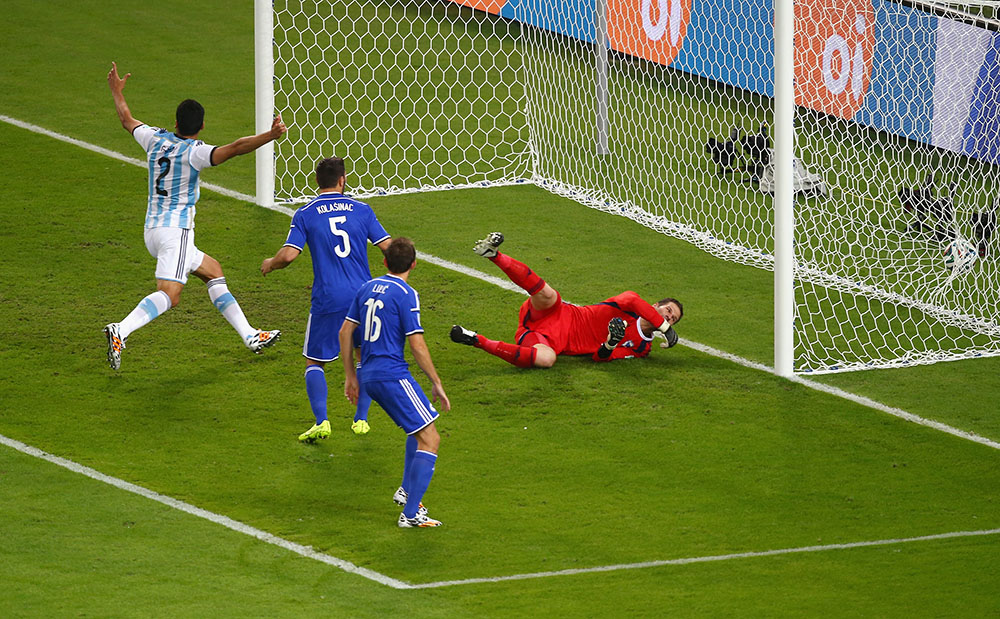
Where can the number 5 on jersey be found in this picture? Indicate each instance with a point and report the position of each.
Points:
(373, 324)
(341, 250)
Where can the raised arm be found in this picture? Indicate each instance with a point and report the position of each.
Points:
(423, 358)
(249, 144)
(280, 260)
(117, 86)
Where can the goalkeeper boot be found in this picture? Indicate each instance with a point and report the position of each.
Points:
(616, 331)
(400, 499)
(487, 248)
(115, 345)
(318, 431)
(263, 339)
(421, 521)
(461, 335)
(360, 427)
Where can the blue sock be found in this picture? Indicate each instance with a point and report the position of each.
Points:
(316, 390)
(421, 471)
(364, 401)
(411, 448)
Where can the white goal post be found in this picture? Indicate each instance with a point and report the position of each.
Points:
(851, 146)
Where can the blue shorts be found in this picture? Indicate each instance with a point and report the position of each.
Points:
(323, 336)
(404, 401)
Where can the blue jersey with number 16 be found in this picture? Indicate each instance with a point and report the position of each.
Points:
(337, 230)
(386, 310)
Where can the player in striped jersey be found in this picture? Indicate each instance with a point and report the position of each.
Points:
(387, 310)
(175, 159)
(621, 327)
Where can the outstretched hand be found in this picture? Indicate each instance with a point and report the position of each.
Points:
(671, 336)
(117, 84)
(278, 128)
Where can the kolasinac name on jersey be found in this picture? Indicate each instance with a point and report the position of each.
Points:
(333, 208)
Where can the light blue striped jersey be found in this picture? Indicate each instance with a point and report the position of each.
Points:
(174, 163)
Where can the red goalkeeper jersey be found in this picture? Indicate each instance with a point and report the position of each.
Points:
(581, 329)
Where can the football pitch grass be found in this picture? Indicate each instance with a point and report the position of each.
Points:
(682, 455)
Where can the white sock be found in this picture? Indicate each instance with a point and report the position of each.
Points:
(225, 302)
(148, 309)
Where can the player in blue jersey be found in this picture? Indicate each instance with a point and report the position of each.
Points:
(175, 159)
(387, 310)
(337, 230)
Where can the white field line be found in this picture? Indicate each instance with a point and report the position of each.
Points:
(686, 561)
(347, 566)
(847, 395)
(229, 523)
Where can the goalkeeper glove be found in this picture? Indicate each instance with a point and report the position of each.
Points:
(616, 332)
(668, 333)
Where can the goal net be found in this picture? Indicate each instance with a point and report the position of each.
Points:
(663, 111)
(416, 95)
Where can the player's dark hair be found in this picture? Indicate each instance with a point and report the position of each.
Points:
(329, 172)
(190, 117)
(673, 300)
(400, 254)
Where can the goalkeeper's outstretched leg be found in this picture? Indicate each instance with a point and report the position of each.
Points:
(524, 355)
(620, 327)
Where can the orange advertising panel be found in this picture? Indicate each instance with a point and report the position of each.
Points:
(650, 29)
(833, 54)
(490, 6)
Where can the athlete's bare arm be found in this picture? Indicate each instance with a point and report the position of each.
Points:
(117, 86)
(249, 144)
(282, 259)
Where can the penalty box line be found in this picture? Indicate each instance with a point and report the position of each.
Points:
(707, 559)
(310, 553)
(229, 523)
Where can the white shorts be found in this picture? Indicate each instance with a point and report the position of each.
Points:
(175, 253)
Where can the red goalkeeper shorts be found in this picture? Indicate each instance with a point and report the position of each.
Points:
(549, 326)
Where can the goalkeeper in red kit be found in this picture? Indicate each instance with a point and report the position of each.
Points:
(621, 327)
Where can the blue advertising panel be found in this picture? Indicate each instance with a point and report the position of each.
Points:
(878, 63)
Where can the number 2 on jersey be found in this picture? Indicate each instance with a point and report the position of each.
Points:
(341, 250)
(373, 324)
(164, 169)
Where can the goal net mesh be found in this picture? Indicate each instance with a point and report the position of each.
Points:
(897, 118)
(416, 95)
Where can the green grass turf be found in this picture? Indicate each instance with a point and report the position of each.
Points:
(679, 455)
(596, 457)
(77, 547)
(137, 558)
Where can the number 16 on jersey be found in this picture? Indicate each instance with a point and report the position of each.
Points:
(373, 324)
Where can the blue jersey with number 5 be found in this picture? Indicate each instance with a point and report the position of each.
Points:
(386, 310)
(337, 230)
